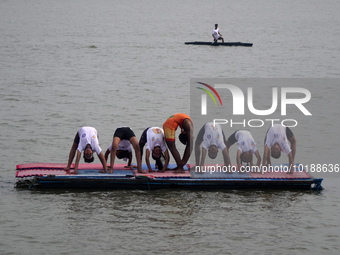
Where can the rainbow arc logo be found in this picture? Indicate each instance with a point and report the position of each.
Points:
(204, 97)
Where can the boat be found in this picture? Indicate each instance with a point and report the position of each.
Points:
(51, 175)
(221, 44)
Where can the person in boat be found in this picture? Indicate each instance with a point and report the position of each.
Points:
(86, 140)
(246, 147)
(154, 139)
(276, 140)
(216, 34)
(121, 134)
(212, 138)
(123, 152)
(186, 137)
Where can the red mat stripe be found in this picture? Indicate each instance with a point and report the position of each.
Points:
(61, 166)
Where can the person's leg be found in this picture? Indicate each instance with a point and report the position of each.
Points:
(172, 147)
(142, 142)
(134, 142)
(115, 142)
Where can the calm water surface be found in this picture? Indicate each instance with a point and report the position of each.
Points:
(113, 63)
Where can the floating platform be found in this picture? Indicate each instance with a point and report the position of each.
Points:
(221, 44)
(47, 175)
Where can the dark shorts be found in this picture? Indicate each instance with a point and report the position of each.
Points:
(232, 139)
(76, 139)
(124, 133)
(289, 133)
(122, 154)
(142, 141)
(200, 134)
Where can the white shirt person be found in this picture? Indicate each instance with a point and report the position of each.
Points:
(246, 147)
(216, 34)
(212, 138)
(154, 139)
(276, 140)
(86, 140)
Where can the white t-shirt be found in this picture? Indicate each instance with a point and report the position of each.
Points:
(124, 145)
(215, 33)
(277, 134)
(155, 137)
(245, 141)
(213, 136)
(88, 135)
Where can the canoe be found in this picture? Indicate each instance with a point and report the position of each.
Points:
(49, 175)
(221, 44)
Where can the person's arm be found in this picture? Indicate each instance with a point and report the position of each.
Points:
(107, 153)
(258, 156)
(198, 142)
(292, 141)
(266, 156)
(238, 160)
(226, 157)
(77, 162)
(71, 156)
(115, 144)
(167, 160)
(130, 159)
(103, 161)
(197, 152)
(204, 153)
(147, 160)
(291, 162)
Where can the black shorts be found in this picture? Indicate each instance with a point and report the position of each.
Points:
(289, 133)
(232, 139)
(76, 139)
(142, 141)
(201, 134)
(124, 133)
(122, 154)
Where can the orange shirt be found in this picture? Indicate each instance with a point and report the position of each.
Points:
(171, 124)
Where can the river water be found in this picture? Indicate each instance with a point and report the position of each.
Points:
(67, 64)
